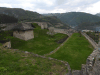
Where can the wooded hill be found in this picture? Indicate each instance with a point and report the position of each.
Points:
(27, 16)
(19, 13)
(75, 18)
(98, 14)
(88, 25)
(7, 19)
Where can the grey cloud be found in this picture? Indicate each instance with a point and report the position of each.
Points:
(59, 2)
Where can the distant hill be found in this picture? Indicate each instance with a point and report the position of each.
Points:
(98, 14)
(75, 18)
(19, 13)
(25, 15)
(88, 25)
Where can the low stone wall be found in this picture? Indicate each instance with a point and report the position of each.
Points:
(90, 68)
(64, 31)
(7, 44)
(64, 62)
(43, 25)
(94, 44)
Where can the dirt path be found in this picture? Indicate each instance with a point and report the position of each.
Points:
(57, 47)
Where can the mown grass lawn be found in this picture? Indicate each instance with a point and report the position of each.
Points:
(41, 44)
(75, 51)
(18, 63)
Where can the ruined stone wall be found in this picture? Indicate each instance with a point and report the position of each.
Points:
(88, 67)
(43, 25)
(29, 34)
(19, 34)
(69, 32)
(94, 44)
(96, 67)
(92, 66)
(7, 44)
(56, 30)
(24, 35)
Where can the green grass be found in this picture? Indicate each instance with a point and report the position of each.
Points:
(41, 44)
(75, 51)
(18, 63)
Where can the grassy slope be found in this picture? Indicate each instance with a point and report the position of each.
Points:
(41, 44)
(75, 51)
(18, 63)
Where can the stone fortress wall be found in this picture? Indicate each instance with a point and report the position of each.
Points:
(24, 35)
(94, 44)
(92, 66)
(64, 31)
(44, 25)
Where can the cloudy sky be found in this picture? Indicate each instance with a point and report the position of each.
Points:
(54, 6)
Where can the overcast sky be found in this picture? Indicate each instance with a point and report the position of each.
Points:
(54, 6)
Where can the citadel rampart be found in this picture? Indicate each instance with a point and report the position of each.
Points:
(43, 25)
(69, 32)
(92, 66)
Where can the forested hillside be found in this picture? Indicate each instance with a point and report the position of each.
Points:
(75, 18)
(19, 13)
(88, 25)
(98, 14)
(7, 19)
(30, 16)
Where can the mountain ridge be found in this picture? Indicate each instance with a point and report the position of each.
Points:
(26, 15)
(75, 18)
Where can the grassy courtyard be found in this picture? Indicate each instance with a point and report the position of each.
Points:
(41, 44)
(75, 51)
(18, 63)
